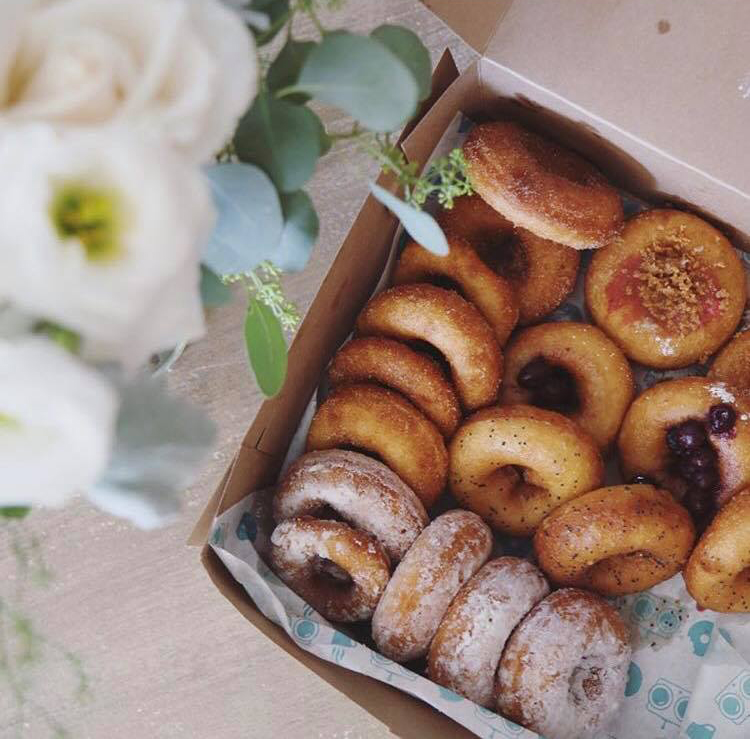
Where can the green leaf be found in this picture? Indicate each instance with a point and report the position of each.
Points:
(300, 231)
(213, 290)
(406, 45)
(278, 14)
(285, 69)
(16, 511)
(326, 142)
(361, 76)
(281, 138)
(266, 347)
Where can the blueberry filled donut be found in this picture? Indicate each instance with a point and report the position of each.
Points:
(732, 363)
(512, 465)
(670, 291)
(466, 650)
(615, 540)
(564, 670)
(361, 491)
(572, 368)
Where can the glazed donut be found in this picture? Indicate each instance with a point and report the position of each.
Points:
(564, 671)
(393, 364)
(362, 491)
(444, 556)
(540, 186)
(718, 571)
(466, 649)
(615, 540)
(382, 422)
(669, 291)
(490, 292)
(541, 272)
(340, 571)
(572, 368)
(732, 363)
(448, 322)
(514, 464)
(692, 437)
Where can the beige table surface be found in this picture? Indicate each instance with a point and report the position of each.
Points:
(166, 654)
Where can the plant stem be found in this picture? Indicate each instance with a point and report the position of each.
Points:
(289, 90)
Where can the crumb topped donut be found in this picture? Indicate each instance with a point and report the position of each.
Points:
(572, 368)
(448, 322)
(564, 671)
(732, 363)
(616, 540)
(541, 186)
(669, 291)
(384, 423)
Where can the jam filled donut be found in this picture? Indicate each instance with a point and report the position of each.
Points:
(564, 671)
(379, 421)
(492, 294)
(393, 364)
(540, 186)
(541, 272)
(444, 556)
(732, 363)
(361, 491)
(669, 291)
(718, 571)
(692, 437)
(339, 571)
(615, 540)
(572, 368)
(448, 322)
(466, 649)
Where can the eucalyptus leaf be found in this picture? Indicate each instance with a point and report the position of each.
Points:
(361, 76)
(406, 45)
(278, 14)
(14, 511)
(300, 231)
(325, 141)
(285, 68)
(213, 290)
(266, 347)
(421, 226)
(249, 223)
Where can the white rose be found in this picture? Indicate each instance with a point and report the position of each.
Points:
(56, 423)
(183, 70)
(102, 233)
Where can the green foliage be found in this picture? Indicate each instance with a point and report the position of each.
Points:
(405, 44)
(62, 336)
(300, 231)
(15, 511)
(266, 347)
(213, 290)
(278, 12)
(284, 70)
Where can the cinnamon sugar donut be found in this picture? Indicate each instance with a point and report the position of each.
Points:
(572, 368)
(490, 292)
(514, 464)
(466, 649)
(669, 291)
(444, 556)
(341, 572)
(540, 186)
(384, 423)
(542, 273)
(615, 540)
(732, 363)
(448, 322)
(564, 671)
(362, 491)
(393, 364)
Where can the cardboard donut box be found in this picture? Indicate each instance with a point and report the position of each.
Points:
(655, 92)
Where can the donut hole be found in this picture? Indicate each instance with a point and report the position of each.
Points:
(551, 386)
(447, 283)
(503, 254)
(361, 450)
(518, 480)
(431, 351)
(328, 572)
(587, 681)
(328, 513)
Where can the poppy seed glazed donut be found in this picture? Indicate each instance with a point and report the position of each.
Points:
(616, 540)
(732, 363)
(542, 187)
(448, 322)
(380, 421)
(514, 464)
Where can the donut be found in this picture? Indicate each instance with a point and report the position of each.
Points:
(452, 325)
(616, 540)
(732, 363)
(541, 186)
(572, 368)
(444, 556)
(383, 423)
(466, 649)
(340, 571)
(692, 437)
(564, 670)
(717, 573)
(395, 365)
(514, 464)
(462, 267)
(542, 273)
(361, 491)
(669, 291)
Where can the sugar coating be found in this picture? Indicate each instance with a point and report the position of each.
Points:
(719, 390)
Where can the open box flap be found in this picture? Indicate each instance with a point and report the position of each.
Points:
(475, 21)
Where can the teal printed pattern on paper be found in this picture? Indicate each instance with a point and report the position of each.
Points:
(304, 630)
(389, 668)
(734, 700)
(700, 635)
(247, 529)
(656, 619)
(340, 643)
(635, 680)
(668, 701)
(498, 726)
(701, 731)
(217, 536)
(449, 695)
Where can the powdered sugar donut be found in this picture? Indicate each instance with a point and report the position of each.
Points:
(466, 649)
(362, 491)
(564, 670)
